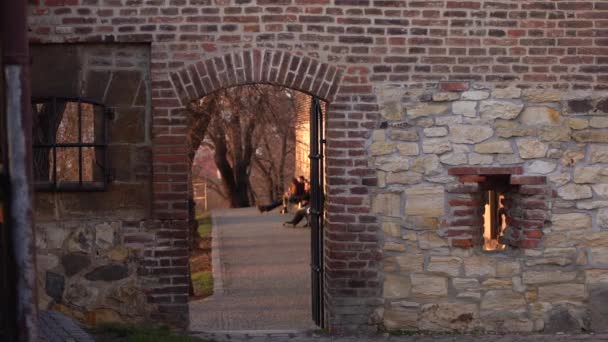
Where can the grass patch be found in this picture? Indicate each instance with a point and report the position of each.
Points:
(130, 333)
(202, 282)
(204, 225)
(202, 276)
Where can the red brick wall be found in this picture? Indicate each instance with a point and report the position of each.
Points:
(338, 50)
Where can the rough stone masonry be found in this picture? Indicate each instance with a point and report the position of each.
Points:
(430, 102)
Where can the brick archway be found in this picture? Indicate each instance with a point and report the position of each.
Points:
(170, 163)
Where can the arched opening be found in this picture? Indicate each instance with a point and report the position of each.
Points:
(250, 213)
(172, 174)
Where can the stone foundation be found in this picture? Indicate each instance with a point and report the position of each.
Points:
(435, 152)
(92, 270)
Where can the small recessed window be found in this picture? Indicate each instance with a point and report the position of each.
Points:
(70, 144)
(494, 221)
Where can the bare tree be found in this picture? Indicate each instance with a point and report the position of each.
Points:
(250, 129)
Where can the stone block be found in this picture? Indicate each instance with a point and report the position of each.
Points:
(500, 109)
(509, 129)
(574, 192)
(602, 218)
(434, 132)
(507, 268)
(445, 265)
(388, 204)
(449, 317)
(380, 148)
(479, 266)
(475, 95)
(421, 223)
(507, 93)
(590, 136)
(428, 164)
(108, 273)
(400, 319)
(590, 174)
(408, 149)
(465, 283)
(542, 95)
(598, 122)
(436, 146)
(389, 99)
(405, 177)
(391, 229)
(81, 240)
(427, 109)
(391, 163)
(601, 189)
(598, 256)
(541, 167)
(81, 295)
(531, 148)
(546, 277)
(410, 262)
(404, 135)
(541, 116)
(578, 123)
(502, 300)
(470, 134)
(562, 293)
(495, 283)
(571, 221)
(394, 247)
(75, 262)
(54, 285)
(454, 159)
(480, 159)
(494, 147)
(427, 201)
(598, 153)
(446, 96)
(428, 286)
(105, 235)
(396, 286)
(465, 108)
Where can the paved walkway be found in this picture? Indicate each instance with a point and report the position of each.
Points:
(262, 277)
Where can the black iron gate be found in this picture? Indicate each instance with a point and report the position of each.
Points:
(316, 209)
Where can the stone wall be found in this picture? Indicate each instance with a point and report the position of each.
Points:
(91, 245)
(431, 155)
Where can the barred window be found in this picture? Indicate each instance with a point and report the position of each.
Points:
(70, 138)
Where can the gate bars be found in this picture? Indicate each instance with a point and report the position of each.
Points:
(316, 209)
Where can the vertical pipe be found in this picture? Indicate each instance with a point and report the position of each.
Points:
(15, 63)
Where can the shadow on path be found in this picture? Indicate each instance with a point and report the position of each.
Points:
(265, 275)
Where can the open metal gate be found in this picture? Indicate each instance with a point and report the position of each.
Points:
(317, 139)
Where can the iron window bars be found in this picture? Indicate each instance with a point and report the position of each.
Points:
(70, 140)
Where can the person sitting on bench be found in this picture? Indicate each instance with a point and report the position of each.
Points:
(293, 195)
(300, 214)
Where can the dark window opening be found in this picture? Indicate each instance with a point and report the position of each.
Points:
(495, 193)
(494, 220)
(70, 138)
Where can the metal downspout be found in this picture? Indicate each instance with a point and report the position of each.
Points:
(15, 63)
